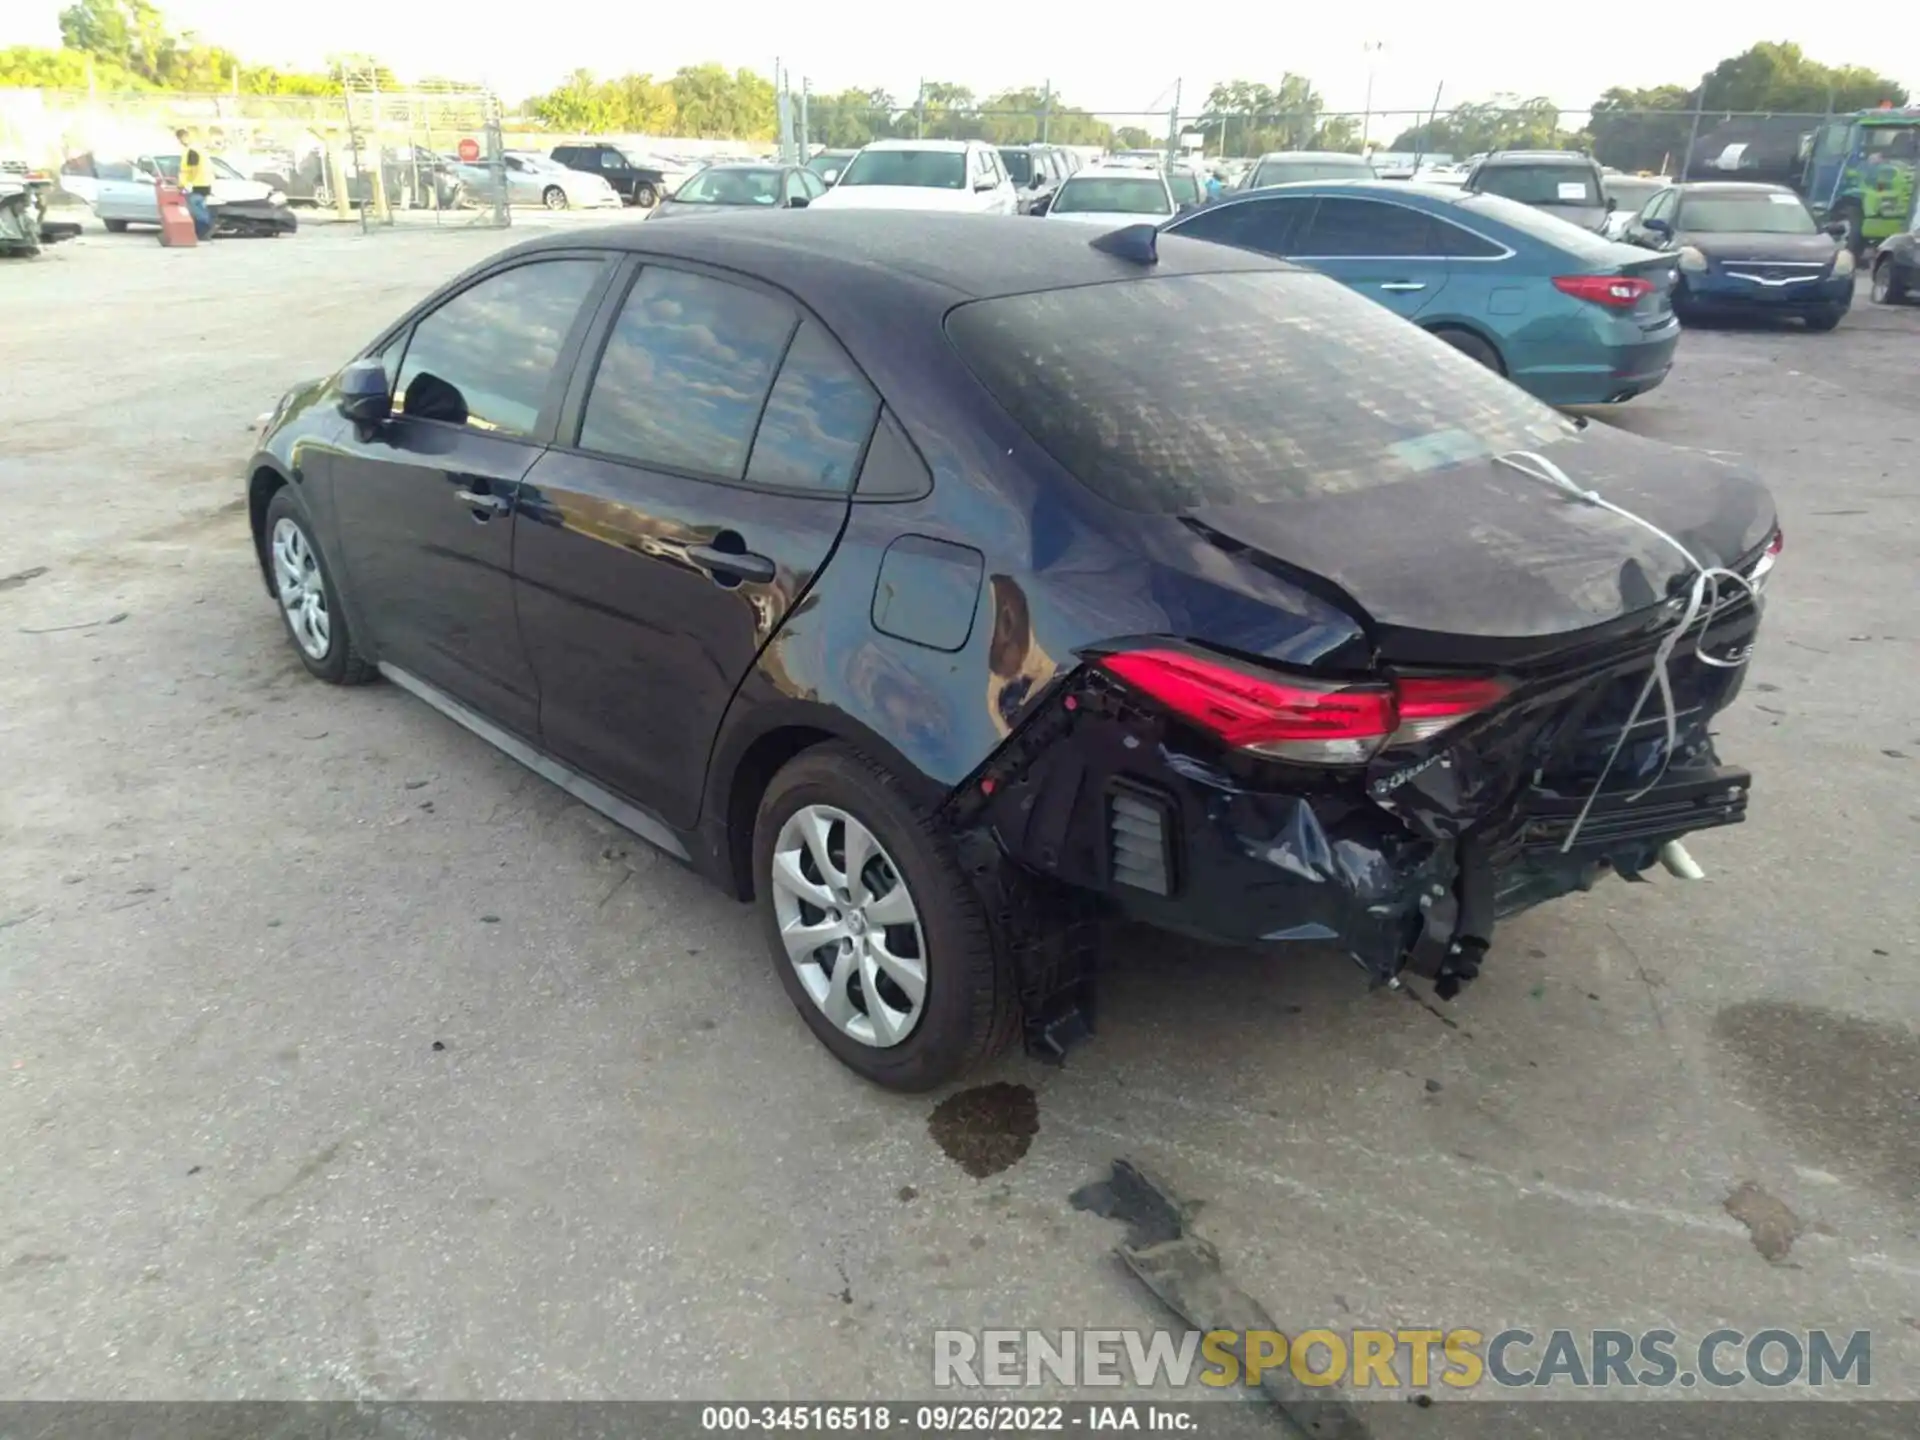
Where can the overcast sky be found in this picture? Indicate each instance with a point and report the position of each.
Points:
(1110, 58)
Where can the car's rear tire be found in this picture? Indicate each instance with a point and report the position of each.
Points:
(645, 196)
(309, 600)
(115, 227)
(1824, 320)
(908, 920)
(1888, 287)
(554, 198)
(1471, 345)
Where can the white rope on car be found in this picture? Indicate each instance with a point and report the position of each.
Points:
(1705, 601)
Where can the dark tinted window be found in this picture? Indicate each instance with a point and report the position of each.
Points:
(685, 372)
(1272, 227)
(1548, 183)
(817, 419)
(1366, 227)
(1257, 386)
(1019, 165)
(1463, 244)
(487, 357)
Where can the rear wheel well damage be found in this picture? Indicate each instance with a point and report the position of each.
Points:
(747, 785)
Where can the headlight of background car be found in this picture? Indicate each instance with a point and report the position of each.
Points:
(1843, 263)
(276, 197)
(1691, 260)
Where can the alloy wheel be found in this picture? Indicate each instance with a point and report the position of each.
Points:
(1882, 281)
(850, 926)
(302, 589)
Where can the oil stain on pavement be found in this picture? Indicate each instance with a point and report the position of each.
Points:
(986, 1128)
(1843, 1088)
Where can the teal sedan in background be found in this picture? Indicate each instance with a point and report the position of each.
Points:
(1568, 316)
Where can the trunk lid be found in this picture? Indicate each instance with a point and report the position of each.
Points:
(1477, 563)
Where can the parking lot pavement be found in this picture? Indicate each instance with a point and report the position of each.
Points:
(339, 1057)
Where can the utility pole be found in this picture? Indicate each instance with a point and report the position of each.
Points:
(782, 110)
(920, 112)
(806, 141)
(1046, 111)
(1371, 49)
(1686, 165)
(1424, 133)
(1173, 124)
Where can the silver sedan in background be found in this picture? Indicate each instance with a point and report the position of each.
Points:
(537, 180)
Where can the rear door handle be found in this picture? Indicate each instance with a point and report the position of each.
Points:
(757, 568)
(1404, 285)
(492, 504)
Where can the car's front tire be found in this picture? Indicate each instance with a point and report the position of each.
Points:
(878, 935)
(1822, 320)
(115, 227)
(308, 597)
(554, 198)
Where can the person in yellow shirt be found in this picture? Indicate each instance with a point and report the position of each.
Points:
(196, 179)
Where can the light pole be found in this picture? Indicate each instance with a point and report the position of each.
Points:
(1371, 49)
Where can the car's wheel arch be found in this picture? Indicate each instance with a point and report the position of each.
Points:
(1438, 328)
(750, 751)
(266, 479)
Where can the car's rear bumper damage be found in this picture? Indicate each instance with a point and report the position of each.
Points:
(1408, 864)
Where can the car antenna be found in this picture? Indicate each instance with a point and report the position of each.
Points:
(1132, 242)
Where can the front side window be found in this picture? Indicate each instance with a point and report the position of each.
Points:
(488, 357)
(1019, 165)
(817, 421)
(1273, 227)
(930, 169)
(685, 373)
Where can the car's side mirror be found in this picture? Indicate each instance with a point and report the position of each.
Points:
(1041, 206)
(983, 182)
(1839, 230)
(1038, 181)
(798, 202)
(829, 176)
(1657, 227)
(366, 394)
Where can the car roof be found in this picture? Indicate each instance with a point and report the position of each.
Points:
(877, 257)
(749, 165)
(1522, 157)
(923, 144)
(1733, 187)
(1314, 155)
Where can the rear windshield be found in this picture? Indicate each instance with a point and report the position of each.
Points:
(720, 186)
(1113, 194)
(1770, 213)
(1543, 184)
(1019, 165)
(1177, 393)
(1546, 227)
(1288, 172)
(933, 169)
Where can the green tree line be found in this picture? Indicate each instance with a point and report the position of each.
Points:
(128, 45)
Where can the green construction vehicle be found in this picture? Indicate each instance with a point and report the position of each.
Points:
(1860, 170)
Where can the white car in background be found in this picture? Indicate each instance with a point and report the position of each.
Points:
(122, 192)
(953, 175)
(1113, 196)
(537, 180)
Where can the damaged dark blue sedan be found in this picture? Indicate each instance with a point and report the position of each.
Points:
(946, 584)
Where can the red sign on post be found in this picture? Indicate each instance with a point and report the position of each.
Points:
(469, 150)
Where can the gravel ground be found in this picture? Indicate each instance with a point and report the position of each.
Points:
(341, 1058)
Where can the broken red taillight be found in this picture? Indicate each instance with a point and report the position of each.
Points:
(1291, 717)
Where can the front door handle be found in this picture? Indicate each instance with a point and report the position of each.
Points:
(491, 504)
(732, 564)
(1404, 285)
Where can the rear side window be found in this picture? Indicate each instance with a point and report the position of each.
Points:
(1176, 393)
(1359, 228)
(817, 421)
(1541, 225)
(685, 373)
(1463, 244)
(487, 357)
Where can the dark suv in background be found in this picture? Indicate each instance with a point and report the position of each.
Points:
(1036, 172)
(637, 184)
(1561, 182)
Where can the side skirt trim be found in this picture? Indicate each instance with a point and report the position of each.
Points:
(623, 813)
